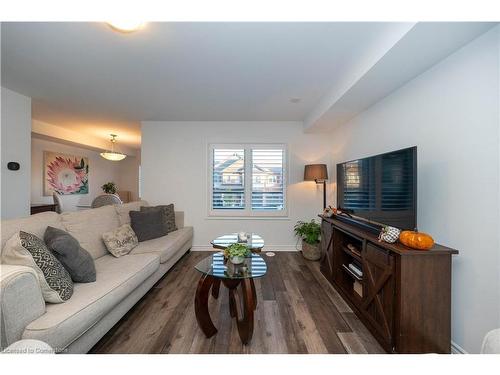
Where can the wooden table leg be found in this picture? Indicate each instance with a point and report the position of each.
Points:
(243, 314)
(201, 306)
(245, 324)
(254, 294)
(216, 288)
(242, 303)
(232, 304)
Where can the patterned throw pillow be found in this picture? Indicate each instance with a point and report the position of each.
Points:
(120, 241)
(26, 249)
(168, 215)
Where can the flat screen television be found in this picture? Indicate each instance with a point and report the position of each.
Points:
(379, 190)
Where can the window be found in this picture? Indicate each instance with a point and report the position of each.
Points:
(228, 187)
(247, 180)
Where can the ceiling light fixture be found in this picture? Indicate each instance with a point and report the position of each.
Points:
(126, 26)
(113, 155)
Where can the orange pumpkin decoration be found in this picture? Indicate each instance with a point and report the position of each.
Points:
(416, 240)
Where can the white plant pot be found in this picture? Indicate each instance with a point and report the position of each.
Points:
(310, 252)
(237, 260)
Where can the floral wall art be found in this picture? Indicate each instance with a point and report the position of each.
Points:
(65, 174)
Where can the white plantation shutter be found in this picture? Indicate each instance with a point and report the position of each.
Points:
(267, 179)
(228, 179)
(247, 180)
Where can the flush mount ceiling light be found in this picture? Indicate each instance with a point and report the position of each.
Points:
(126, 26)
(113, 155)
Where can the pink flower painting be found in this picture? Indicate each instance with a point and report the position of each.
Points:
(65, 174)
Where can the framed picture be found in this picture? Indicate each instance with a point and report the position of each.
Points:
(65, 174)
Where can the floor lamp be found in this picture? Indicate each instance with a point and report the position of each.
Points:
(319, 174)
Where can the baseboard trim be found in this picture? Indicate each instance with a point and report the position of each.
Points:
(457, 349)
(266, 248)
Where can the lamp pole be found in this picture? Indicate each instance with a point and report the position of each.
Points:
(324, 194)
(323, 182)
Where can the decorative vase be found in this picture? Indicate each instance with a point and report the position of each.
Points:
(389, 234)
(242, 237)
(329, 211)
(310, 252)
(237, 260)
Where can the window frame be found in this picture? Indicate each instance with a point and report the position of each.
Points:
(247, 211)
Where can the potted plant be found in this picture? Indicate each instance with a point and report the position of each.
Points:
(109, 188)
(236, 253)
(310, 233)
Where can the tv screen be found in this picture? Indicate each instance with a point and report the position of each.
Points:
(381, 189)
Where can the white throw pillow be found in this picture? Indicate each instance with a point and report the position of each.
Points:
(26, 249)
(120, 241)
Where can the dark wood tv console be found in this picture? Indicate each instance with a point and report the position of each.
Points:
(403, 296)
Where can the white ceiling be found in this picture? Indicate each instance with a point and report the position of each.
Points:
(90, 79)
(94, 81)
(402, 59)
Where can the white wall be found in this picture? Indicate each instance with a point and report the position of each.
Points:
(16, 140)
(451, 112)
(100, 172)
(174, 169)
(128, 175)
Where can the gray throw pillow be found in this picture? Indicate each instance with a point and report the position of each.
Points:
(26, 249)
(147, 225)
(168, 215)
(77, 261)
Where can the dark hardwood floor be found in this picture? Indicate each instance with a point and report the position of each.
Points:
(298, 312)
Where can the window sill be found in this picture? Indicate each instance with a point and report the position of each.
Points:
(275, 218)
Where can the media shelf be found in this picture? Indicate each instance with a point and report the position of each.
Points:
(403, 296)
(351, 253)
(352, 274)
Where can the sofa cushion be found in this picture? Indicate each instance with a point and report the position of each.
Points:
(88, 226)
(116, 279)
(77, 261)
(168, 215)
(147, 225)
(26, 249)
(120, 241)
(123, 209)
(165, 246)
(35, 224)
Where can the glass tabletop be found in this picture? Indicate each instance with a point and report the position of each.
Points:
(252, 240)
(215, 265)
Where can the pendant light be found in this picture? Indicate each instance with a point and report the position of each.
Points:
(126, 26)
(113, 155)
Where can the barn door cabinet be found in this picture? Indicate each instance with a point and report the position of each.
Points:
(403, 296)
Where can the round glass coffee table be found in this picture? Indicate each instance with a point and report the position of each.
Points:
(254, 242)
(242, 296)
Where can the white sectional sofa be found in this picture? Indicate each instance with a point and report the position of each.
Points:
(77, 324)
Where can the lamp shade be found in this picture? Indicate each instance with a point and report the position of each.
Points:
(112, 154)
(315, 172)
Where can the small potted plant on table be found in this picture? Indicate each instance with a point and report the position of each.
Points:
(310, 233)
(236, 253)
(109, 188)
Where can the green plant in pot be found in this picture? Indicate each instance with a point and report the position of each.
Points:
(236, 253)
(310, 233)
(109, 188)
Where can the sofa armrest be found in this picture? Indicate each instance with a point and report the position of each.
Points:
(491, 342)
(21, 301)
(179, 219)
